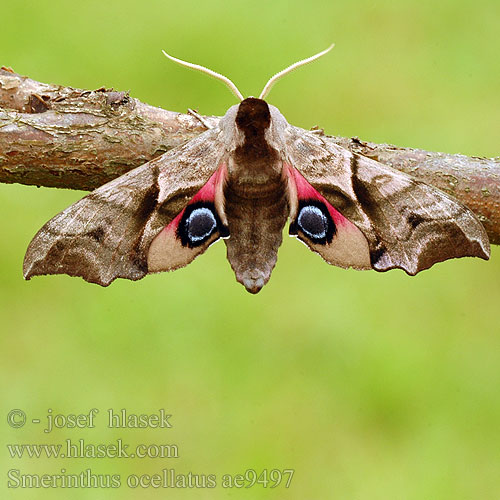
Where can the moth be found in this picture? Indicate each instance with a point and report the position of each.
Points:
(241, 181)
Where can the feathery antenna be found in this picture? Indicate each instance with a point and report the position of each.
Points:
(296, 65)
(214, 74)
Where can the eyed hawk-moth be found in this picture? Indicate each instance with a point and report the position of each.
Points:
(241, 181)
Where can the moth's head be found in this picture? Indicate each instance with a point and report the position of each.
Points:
(253, 115)
(232, 86)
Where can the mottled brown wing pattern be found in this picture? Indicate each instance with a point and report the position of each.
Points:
(98, 237)
(408, 224)
(106, 235)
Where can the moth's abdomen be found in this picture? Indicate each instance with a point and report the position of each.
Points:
(256, 216)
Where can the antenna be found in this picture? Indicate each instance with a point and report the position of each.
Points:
(209, 72)
(296, 65)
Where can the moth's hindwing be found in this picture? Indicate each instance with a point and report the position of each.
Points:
(193, 230)
(406, 224)
(323, 228)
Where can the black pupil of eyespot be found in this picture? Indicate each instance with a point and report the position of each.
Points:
(313, 222)
(200, 224)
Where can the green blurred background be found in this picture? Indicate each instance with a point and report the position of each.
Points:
(370, 386)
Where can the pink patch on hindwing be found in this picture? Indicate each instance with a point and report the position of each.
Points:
(306, 192)
(339, 241)
(207, 193)
(199, 224)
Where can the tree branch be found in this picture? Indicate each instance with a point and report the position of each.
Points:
(58, 136)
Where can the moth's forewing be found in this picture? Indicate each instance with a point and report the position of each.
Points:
(99, 237)
(416, 224)
(108, 234)
(407, 224)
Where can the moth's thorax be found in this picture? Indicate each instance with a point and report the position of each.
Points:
(254, 161)
(255, 172)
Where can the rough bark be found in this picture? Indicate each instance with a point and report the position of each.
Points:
(58, 136)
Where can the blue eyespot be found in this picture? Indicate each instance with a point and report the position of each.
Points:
(314, 222)
(200, 224)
